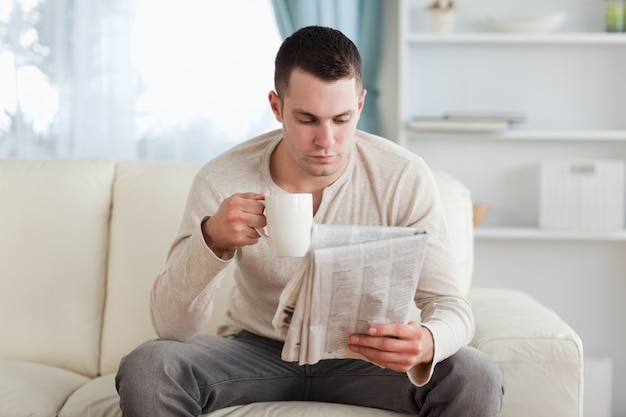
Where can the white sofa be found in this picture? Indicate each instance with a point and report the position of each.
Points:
(82, 240)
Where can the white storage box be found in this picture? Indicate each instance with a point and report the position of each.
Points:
(582, 194)
(598, 393)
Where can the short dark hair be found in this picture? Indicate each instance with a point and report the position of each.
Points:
(323, 52)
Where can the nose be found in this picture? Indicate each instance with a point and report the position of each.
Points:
(325, 135)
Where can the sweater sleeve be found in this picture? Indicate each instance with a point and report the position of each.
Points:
(182, 295)
(444, 309)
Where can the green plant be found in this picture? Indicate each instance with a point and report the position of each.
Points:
(441, 5)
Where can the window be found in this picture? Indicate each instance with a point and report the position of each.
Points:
(158, 80)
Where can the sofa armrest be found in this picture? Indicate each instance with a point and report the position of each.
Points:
(540, 354)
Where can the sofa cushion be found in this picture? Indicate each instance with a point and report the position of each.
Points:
(98, 398)
(148, 202)
(535, 349)
(35, 390)
(301, 409)
(54, 220)
(457, 206)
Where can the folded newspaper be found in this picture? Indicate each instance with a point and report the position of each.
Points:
(351, 278)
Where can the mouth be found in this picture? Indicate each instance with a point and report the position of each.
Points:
(323, 159)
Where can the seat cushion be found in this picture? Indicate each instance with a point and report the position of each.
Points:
(35, 390)
(98, 398)
(54, 222)
(301, 409)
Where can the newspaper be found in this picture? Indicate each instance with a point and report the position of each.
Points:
(351, 278)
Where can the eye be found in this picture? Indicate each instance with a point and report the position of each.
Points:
(306, 121)
(342, 121)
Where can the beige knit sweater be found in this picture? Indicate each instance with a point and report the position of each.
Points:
(383, 184)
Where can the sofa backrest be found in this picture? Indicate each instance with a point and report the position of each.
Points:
(457, 206)
(54, 218)
(81, 242)
(147, 206)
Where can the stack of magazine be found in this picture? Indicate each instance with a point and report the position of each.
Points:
(353, 277)
(469, 122)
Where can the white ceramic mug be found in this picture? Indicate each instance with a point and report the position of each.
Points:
(289, 221)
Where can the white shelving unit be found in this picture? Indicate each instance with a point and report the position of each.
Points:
(571, 84)
(514, 38)
(529, 135)
(520, 233)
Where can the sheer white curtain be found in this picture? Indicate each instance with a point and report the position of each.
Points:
(128, 79)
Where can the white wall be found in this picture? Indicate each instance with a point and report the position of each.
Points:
(583, 281)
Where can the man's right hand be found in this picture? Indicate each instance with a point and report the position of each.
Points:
(233, 226)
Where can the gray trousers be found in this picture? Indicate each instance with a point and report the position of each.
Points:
(165, 378)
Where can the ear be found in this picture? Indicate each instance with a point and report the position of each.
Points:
(362, 99)
(276, 106)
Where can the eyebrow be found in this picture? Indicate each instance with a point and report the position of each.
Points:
(311, 115)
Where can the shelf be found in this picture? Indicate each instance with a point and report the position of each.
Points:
(515, 38)
(520, 233)
(527, 135)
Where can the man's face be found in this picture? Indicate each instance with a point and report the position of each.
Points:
(319, 121)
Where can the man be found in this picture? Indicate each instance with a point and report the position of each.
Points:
(355, 178)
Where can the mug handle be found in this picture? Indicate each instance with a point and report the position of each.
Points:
(261, 231)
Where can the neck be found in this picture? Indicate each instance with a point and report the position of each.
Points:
(291, 178)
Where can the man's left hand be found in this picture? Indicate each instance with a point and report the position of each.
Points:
(396, 346)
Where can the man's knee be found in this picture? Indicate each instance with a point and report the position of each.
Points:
(146, 356)
(479, 365)
(148, 363)
(479, 374)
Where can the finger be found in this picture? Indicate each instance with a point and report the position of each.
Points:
(232, 225)
(256, 208)
(391, 360)
(254, 221)
(248, 202)
(250, 196)
(396, 330)
(245, 210)
(381, 343)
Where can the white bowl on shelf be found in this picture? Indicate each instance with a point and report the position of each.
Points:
(538, 24)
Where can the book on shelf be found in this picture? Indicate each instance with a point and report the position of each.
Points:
(468, 121)
(482, 116)
(452, 125)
